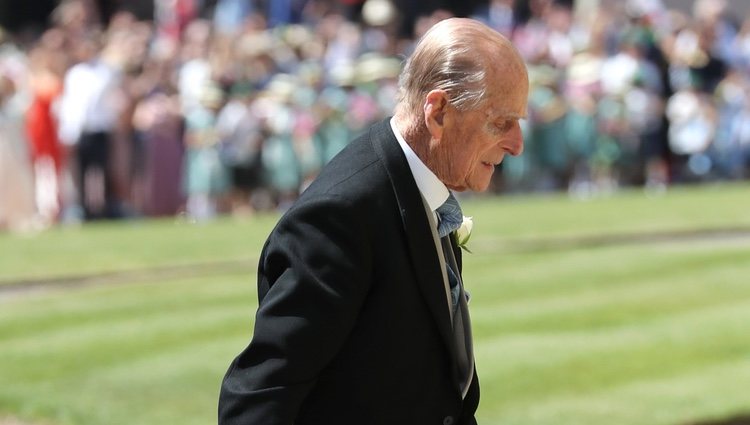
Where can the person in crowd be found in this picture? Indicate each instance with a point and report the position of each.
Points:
(17, 209)
(47, 65)
(206, 179)
(644, 53)
(241, 138)
(282, 169)
(88, 115)
(363, 316)
(693, 120)
(159, 148)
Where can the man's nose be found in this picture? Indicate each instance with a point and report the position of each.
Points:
(514, 143)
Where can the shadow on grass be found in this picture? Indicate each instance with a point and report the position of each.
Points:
(734, 420)
(146, 274)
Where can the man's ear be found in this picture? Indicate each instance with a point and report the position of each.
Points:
(435, 107)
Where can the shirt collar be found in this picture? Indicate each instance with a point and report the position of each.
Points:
(431, 188)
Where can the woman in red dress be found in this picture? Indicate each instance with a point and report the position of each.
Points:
(46, 69)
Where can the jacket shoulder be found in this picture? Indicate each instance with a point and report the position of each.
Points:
(356, 172)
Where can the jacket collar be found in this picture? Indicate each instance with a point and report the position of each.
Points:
(432, 189)
(419, 236)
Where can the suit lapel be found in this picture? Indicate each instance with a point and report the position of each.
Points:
(417, 229)
(457, 252)
(461, 322)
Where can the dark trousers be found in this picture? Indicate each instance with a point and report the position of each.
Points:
(94, 177)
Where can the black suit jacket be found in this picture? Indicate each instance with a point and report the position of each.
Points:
(353, 326)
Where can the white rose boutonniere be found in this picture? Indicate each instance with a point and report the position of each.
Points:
(463, 234)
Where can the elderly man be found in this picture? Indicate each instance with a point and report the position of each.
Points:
(362, 316)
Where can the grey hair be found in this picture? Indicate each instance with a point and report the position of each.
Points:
(448, 59)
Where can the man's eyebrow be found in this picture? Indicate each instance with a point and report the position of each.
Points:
(510, 116)
(495, 115)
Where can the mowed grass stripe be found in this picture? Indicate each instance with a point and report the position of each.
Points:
(624, 334)
(180, 386)
(575, 361)
(142, 301)
(725, 323)
(550, 341)
(125, 332)
(610, 299)
(143, 244)
(152, 353)
(521, 275)
(706, 393)
(124, 246)
(628, 211)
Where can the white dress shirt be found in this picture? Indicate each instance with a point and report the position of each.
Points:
(88, 103)
(431, 188)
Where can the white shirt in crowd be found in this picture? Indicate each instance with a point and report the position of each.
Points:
(89, 101)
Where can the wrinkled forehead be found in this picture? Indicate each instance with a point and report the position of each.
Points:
(507, 95)
(507, 80)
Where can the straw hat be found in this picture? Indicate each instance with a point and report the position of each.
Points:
(378, 12)
(281, 88)
(373, 67)
(211, 95)
(584, 69)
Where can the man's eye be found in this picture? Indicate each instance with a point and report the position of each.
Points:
(505, 125)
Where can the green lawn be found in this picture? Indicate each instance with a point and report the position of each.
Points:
(624, 310)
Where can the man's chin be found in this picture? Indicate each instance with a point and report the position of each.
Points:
(479, 183)
(478, 187)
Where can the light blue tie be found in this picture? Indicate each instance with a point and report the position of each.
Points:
(450, 219)
(449, 216)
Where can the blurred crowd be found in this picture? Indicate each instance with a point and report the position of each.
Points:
(234, 108)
